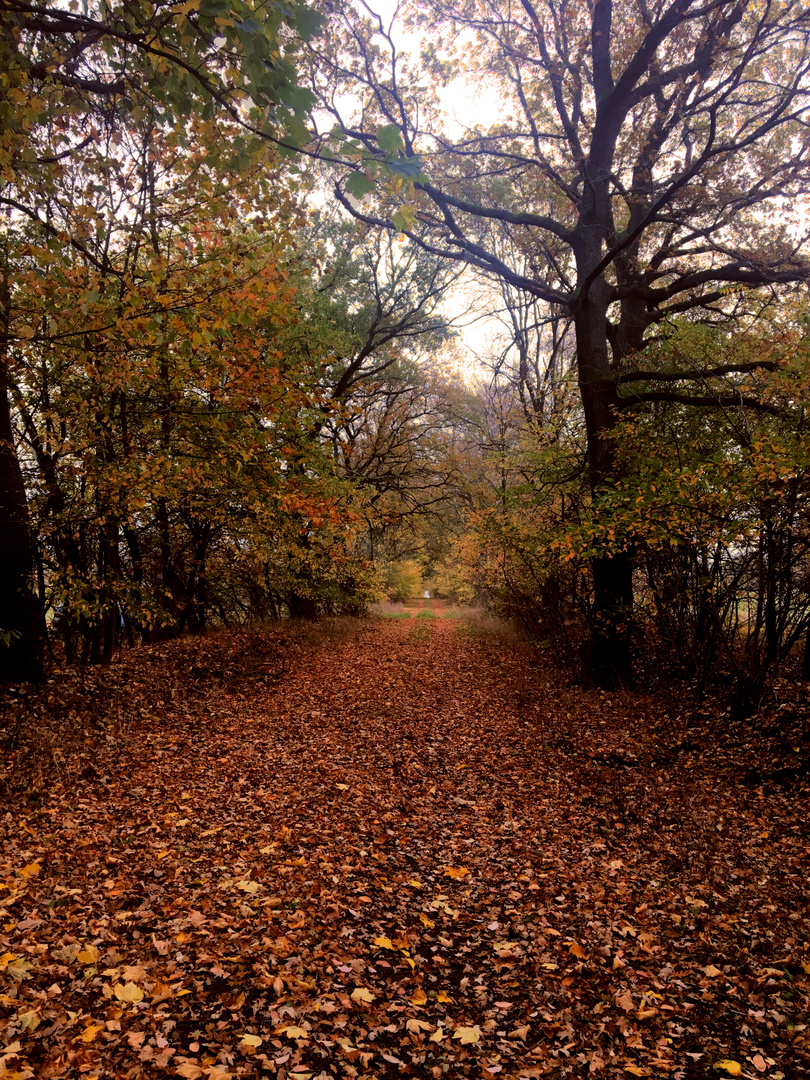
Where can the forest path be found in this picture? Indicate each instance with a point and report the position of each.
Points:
(416, 852)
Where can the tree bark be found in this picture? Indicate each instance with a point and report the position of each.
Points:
(610, 656)
(610, 659)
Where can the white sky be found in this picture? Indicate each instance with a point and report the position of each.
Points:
(465, 107)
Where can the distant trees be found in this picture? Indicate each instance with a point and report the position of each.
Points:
(647, 164)
(393, 417)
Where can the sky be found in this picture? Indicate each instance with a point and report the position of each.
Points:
(465, 107)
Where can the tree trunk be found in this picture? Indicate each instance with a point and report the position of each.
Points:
(301, 607)
(21, 615)
(610, 659)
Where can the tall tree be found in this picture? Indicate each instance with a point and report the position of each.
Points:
(648, 158)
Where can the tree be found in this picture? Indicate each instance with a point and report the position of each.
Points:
(648, 161)
(68, 76)
(372, 315)
(146, 380)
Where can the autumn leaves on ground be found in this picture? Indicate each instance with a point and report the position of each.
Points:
(409, 851)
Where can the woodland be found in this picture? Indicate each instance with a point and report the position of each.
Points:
(405, 547)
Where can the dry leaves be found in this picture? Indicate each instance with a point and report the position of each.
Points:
(420, 853)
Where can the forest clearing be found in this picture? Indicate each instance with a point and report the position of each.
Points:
(416, 852)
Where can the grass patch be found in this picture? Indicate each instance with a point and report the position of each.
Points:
(426, 613)
(396, 614)
(490, 630)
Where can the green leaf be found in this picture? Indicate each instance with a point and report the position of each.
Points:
(298, 98)
(389, 138)
(358, 185)
(406, 166)
(308, 21)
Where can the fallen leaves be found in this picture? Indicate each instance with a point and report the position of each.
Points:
(375, 893)
(292, 1031)
(90, 1033)
(733, 1068)
(250, 887)
(129, 992)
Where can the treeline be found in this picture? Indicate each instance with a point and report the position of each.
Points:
(711, 504)
(215, 405)
(218, 408)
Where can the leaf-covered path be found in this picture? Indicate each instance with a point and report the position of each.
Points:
(417, 854)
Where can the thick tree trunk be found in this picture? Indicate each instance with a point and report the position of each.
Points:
(21, 615)
(610, 659)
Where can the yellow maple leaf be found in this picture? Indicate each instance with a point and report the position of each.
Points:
(88, 955)
(90, 1033)
(384, 942)
(292, 1031)
(467, 1034)
(189, 1071)
(456, 872)
(419, 996)
(733, 1068)
(31, 870)
(417, 1026)
(130, 992)
(437, 1035)
(577, 950)
(253, 1041)
(443, 997)
(360, 993)
(635, 1070)
(248, 886)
